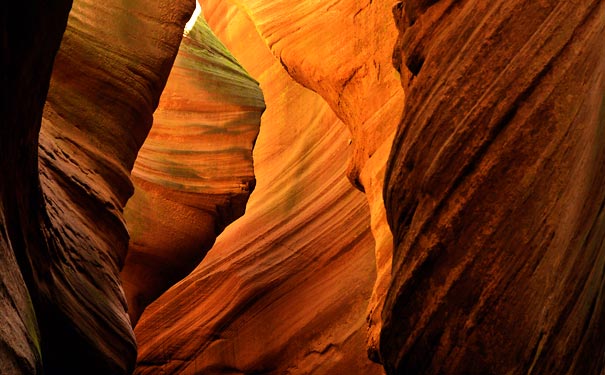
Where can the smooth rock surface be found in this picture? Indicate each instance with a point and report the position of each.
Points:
(350, 66)
(495, 190)
(194, 173)
(285, 288)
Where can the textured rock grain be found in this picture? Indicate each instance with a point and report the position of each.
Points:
(342, 50)
(194, 173)
(350, 64)
(495, 190)
(108, 75)
(285, 288)
(19, 335)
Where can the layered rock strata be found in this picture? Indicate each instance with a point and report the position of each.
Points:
(350, 67)
(495, 190)
(285, 288)
(112, 65)
(194, 173)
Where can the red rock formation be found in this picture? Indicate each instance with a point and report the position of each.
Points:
(194, 173)
(19, 334)
(350, 67)
(495, 190)
(285, 288)
(108, 75)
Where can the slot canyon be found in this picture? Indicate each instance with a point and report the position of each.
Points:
(277, 187)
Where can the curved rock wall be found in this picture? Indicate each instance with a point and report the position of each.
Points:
(350, 66)
(19, 334)
(108, 75)
(194, 173)
(285, 288)
(495, 190)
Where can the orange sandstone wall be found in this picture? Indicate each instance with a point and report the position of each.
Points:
(285, 288)
(194, 173)
(342, 50)
(491, 179)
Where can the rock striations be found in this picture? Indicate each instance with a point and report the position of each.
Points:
(194, 173)
(285, 288)
(495, 190)
(478, 248)
(351, 68)
(107, 79)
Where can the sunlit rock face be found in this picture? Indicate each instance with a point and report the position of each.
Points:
(108, 75)
(352, 44)
(194, 173)
(490, 173)
(285, 288)
(350, 66)
(495, 190)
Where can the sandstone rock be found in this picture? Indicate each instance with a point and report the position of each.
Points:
(285, 288)
(350, 63)
(108, 75)
(194, 173)
(495, 190)
(372, 178)
(350, 67)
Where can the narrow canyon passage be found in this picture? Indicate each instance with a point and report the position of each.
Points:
(285, 287)
(302, 187)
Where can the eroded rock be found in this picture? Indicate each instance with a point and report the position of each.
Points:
(30, 33)
(108, 75)
(285, 288)
(495, 190)
(350, 66)
(194, 173)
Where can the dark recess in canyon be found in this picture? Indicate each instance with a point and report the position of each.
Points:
(302, 187)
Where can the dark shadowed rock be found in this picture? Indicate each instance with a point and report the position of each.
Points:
(495, 190)
(30, 34)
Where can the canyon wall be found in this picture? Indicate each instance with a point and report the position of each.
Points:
(366, 93)
(495, 190)
(478, 247)
(285, 288)
(63, 222)
(194, 173)
(108, 75)
(351, 68)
